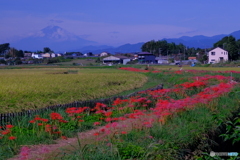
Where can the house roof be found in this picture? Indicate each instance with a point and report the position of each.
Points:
(192, 57)
(145, 53)
(122, 57)
(218, 47)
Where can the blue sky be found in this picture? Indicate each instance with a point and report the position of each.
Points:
(116, 22)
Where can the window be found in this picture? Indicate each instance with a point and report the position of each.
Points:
(213, 60)
(213, 53)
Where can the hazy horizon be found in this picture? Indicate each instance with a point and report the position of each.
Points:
(117, 22)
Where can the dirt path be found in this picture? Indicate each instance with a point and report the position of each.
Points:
(52, 151)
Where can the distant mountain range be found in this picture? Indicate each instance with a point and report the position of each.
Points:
(60, 40)
(201, 41)
(126, 48)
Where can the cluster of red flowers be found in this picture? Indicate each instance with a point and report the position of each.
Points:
(7, 132)
(133, 69)
(195, 84)
(137, 70)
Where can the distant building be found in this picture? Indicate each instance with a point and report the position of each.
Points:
(37, 56)
(28, 55)
(161, 60)
(146, 57)
(192, 58)
(217, 55)
(103, 54)
(116, 60)
(46, 55)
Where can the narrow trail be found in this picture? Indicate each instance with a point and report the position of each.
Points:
(53, 151)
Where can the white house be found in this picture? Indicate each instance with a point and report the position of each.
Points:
(217, 55)
(103, 54)
(37, 56)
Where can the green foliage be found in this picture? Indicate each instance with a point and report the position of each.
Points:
(2, 61)
(4, 47)
(47, 50)
(230, 44)
(128, 150)
(164, 48)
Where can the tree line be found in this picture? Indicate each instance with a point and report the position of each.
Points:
(163, 48)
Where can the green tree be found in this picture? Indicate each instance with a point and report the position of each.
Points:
(12, 52)
(20, 54)
(47, 50)
(230, 44)
(4, 47)
(2, 61)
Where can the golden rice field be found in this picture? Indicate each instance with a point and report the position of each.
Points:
(22, 89)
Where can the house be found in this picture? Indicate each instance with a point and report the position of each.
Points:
(46, 55)
(192, 58)
(37, 56)
(27, 55)
(103, 54)
(217, 55)
(146, 57)
(116, 60)
(53, 55)
(162, 60)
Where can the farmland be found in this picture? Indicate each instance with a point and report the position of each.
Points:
(181, 121)
(23, 89)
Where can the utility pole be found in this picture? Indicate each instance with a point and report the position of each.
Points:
(184, 53)
(159, 52)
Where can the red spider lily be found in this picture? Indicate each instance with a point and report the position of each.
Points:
(44, 120)
(100, 112)
(122, 118)
(118, 101)
(40, 124)
(48, 128)
(12, 138)
(107, 114)
(103, 130)
(133, 69)
(63, 121)
(96, 123)
(108, 119)
(56, 116)
(123, 132)
(100, 105)
(75, 110)
(5, 132)
(37, 118)
(32, 121)
(195, 84)
(96, 134)
(9, 126)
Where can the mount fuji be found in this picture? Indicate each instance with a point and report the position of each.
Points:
(54, 37)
